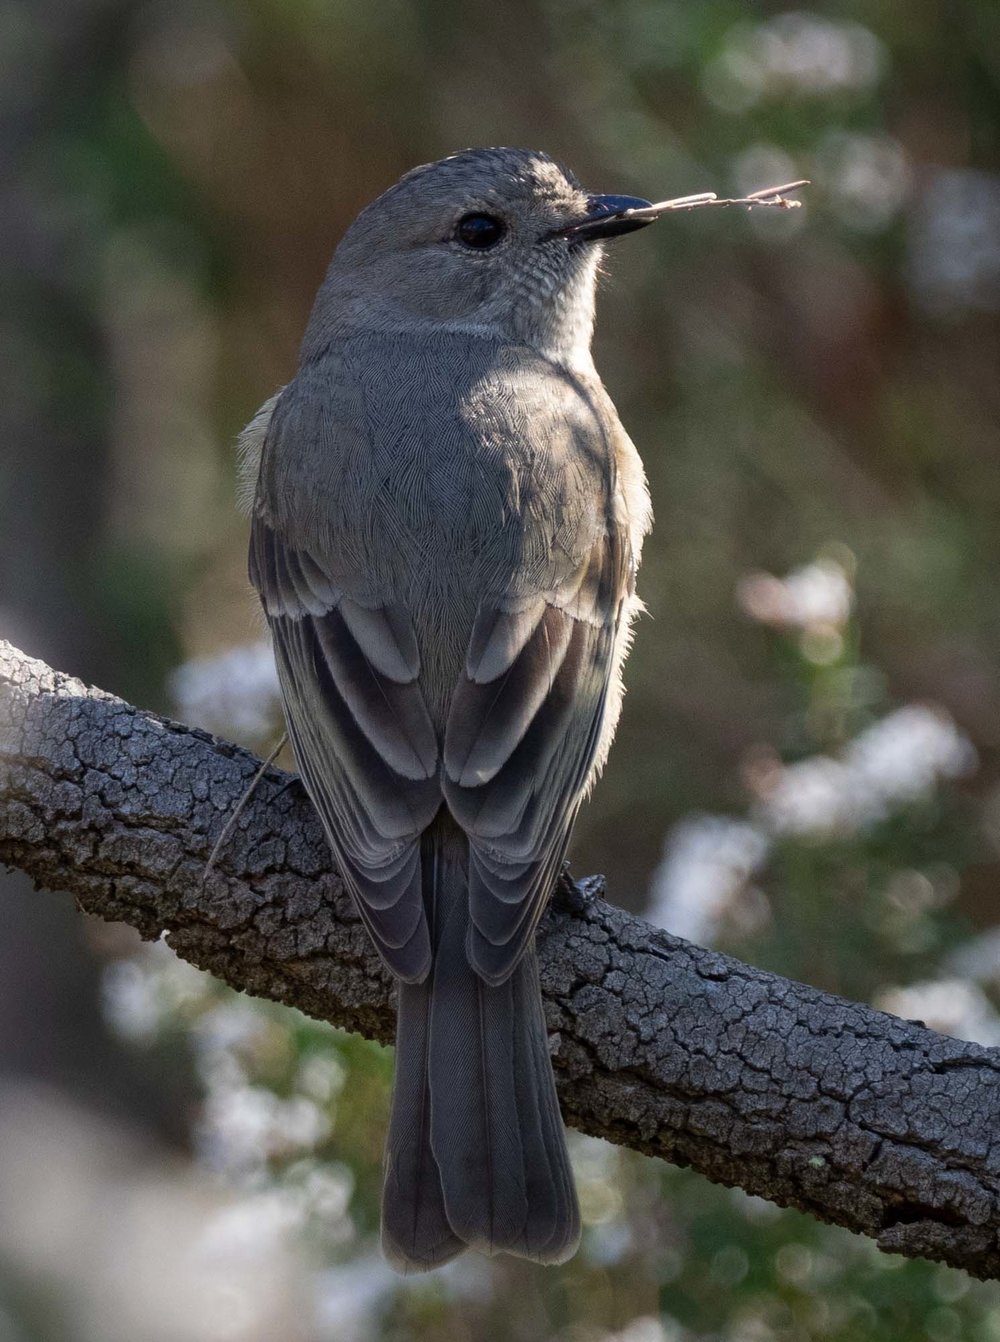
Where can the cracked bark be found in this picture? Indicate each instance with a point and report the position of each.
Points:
(853, 1116)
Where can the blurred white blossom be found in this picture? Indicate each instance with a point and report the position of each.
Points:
(899, 760)
(902, 757)
(609, 1241)
(242, 1126)
(954, 243)
(794, 54)
(249, 1229)
(812, 796)
(865, 178)
(350, 1299)
(596, 1172)
(143, 994)
(130, 1003)
(707, 861)
(818, 595)
(321, 1076)
(951, 1006)
(978, 959)
(646, 1328)
(233, 694)
(262, 1218)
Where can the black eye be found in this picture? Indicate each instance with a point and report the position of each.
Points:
(480, 231)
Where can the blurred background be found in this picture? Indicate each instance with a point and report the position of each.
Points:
(808, 769)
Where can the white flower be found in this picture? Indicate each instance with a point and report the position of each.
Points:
(251, 1228)
(954, 260)
(979, 958)
(817, 596)
(707, 861)
(951, 1006)
(648, 1329)
(792, 54)
(350, 1299)
(130, 1001)
(899, 760)
(143, 993)
(902, 757)
(233, 694)
(814, 796)
(241, 1125)
(866, 178)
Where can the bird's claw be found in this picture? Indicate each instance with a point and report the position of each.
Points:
(576, 896)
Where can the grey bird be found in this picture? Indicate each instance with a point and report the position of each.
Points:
(446, 523)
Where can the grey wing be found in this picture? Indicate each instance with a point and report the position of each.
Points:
(522, 737)
(362, 736)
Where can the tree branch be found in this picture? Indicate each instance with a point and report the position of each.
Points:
(856, 1117)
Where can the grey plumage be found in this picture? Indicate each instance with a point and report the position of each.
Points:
(446, 525)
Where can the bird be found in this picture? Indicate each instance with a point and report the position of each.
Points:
(447, 518)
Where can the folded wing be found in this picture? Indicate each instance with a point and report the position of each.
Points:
(362, 736)
(522, 736)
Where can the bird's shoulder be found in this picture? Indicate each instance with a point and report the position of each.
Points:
(383, 407)
(387, 451)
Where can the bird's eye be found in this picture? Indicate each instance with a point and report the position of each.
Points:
(480, 231)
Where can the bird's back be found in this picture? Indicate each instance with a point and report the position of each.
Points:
(456, 469)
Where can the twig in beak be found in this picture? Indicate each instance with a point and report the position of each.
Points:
(772, 196)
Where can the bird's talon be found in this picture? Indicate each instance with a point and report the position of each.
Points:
(578, 895)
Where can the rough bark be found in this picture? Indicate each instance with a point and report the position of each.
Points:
(854, 1116)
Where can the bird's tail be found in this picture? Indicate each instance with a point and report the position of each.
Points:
(476, 1154)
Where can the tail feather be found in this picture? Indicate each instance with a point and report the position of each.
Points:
(416, 1235)
(475, 1133)
(551, 1187)
(476, 1155)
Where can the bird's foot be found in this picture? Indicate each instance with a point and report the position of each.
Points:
(576, 896)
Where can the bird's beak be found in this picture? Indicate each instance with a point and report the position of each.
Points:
(606, 217)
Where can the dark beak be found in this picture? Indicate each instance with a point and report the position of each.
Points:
(606, 217)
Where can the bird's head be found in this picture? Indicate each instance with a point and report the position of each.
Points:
(501, 242)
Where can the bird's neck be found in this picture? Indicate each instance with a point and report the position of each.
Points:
(564, 343)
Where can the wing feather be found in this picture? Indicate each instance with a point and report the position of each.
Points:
(486, 721)
(519, 748)
(362, 736)
(498, 638)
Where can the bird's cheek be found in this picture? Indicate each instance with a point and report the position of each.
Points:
(447, 287)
